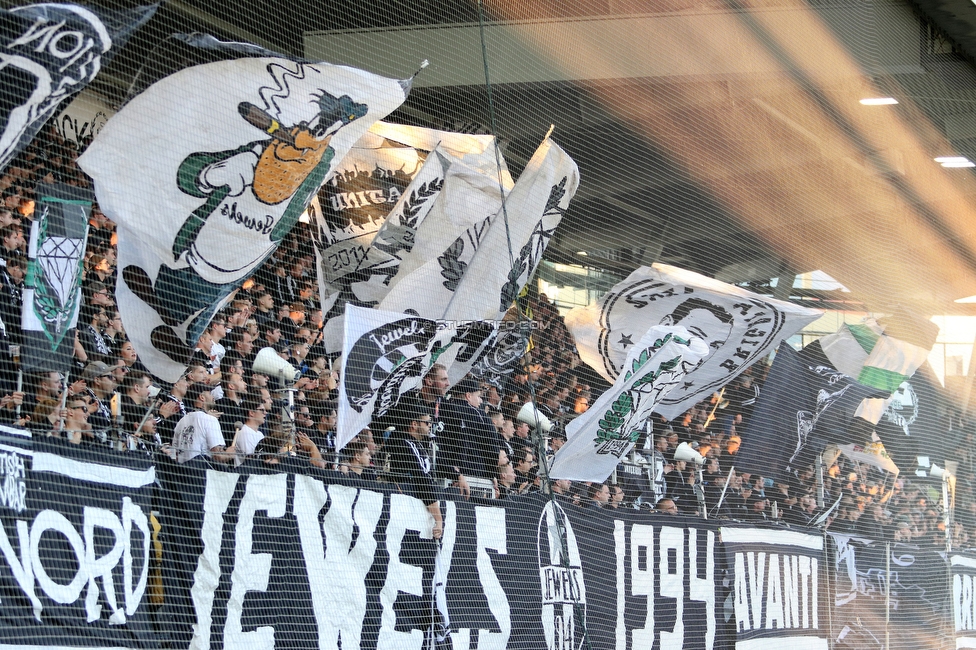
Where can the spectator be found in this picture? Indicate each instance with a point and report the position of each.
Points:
(507, 481)
(472, 436)
(410, 464)
(248, 435)
(198, 432)
(101, 388)
(358, 460)
(599, 495)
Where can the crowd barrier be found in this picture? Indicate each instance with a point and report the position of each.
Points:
(287, 556)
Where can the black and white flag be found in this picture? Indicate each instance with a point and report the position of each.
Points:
(52, 288)
(207, 171)
(49, 52)
(385, 354)
(738, 326)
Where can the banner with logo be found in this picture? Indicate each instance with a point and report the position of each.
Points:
(49, 52)
(52, 288)
(75, 543)
(281, 554)
(233, 154)
(385, 354)
(740, 327)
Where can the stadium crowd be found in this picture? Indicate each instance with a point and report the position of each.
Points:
(220, 407)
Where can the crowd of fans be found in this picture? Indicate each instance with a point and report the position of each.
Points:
(468, 437)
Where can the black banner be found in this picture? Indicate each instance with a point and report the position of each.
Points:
(871, 576)
(288, 556)
(76, 549)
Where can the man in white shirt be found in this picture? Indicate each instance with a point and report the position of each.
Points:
(198, 432)
(248, 436)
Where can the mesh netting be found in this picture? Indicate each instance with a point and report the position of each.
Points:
(566, 325)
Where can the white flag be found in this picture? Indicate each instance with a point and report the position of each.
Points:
(445, 243)
(207, 170)
(739, 327)
(522, 229)
(384, 355)
(601, 436)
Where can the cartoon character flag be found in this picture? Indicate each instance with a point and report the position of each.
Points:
(49, 52)
(599, 438)
(740, 327)
(52, 293)
(206, 172)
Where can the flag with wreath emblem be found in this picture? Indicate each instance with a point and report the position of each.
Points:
(52, 288)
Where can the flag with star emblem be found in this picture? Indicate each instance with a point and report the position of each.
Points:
(739, 327)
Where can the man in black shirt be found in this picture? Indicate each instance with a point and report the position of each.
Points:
(410, 462)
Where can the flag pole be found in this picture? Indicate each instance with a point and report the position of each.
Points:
(20, 387)
(64, 400)
(820, 481)
(724, 489)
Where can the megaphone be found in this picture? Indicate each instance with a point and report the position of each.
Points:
(687, 453)
(532, 417)
(937, 472)
(268, 362)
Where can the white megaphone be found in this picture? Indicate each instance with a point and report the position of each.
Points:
(268, 362)
(532, 417)
(687, 453)
(937, 472)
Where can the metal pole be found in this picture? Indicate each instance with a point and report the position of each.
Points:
(64, 401)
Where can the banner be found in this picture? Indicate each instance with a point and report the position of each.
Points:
(385, 354)
(778, 582)
(281, 554)
(49, 52)
(52, 288)
(608, 430)
(287, 557)
(237, 150)
(75, 550)
(445, 243)
(739, 327)
(916, 591)
(393, 171)
(963, 602)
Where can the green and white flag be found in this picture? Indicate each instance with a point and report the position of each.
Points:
(601, 436)
(52, 289)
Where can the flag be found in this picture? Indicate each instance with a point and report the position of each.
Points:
(49, 52)
(369, 183)
(385, 354)
(522, 229)
(801, 409)
(445, 242)
(52, 288)
(601, 436)
(740, 327)
(206, 172)
(916, 422)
